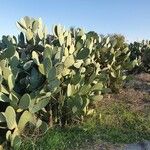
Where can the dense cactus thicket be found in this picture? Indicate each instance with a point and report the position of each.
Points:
(141, 52)
(56, 79)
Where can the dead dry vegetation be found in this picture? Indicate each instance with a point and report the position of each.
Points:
(136, 93)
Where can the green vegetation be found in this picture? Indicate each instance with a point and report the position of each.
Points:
(58, 80)
(118, 124)
(141, 52)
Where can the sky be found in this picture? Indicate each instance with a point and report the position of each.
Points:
(128, 17)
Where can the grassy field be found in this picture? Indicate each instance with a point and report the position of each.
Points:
(118, 125)
(121, 118)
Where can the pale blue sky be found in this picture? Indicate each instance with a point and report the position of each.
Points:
(128, 17)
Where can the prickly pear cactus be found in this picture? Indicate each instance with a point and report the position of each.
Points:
(54, 79)
(113, 56)
(140, 51)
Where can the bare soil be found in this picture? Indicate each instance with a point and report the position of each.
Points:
(136, 94)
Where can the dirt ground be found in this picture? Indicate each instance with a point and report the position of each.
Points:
(136, 93)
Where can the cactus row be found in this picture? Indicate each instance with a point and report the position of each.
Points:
(53, 79)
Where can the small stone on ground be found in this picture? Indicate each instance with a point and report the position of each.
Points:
(139, 146)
